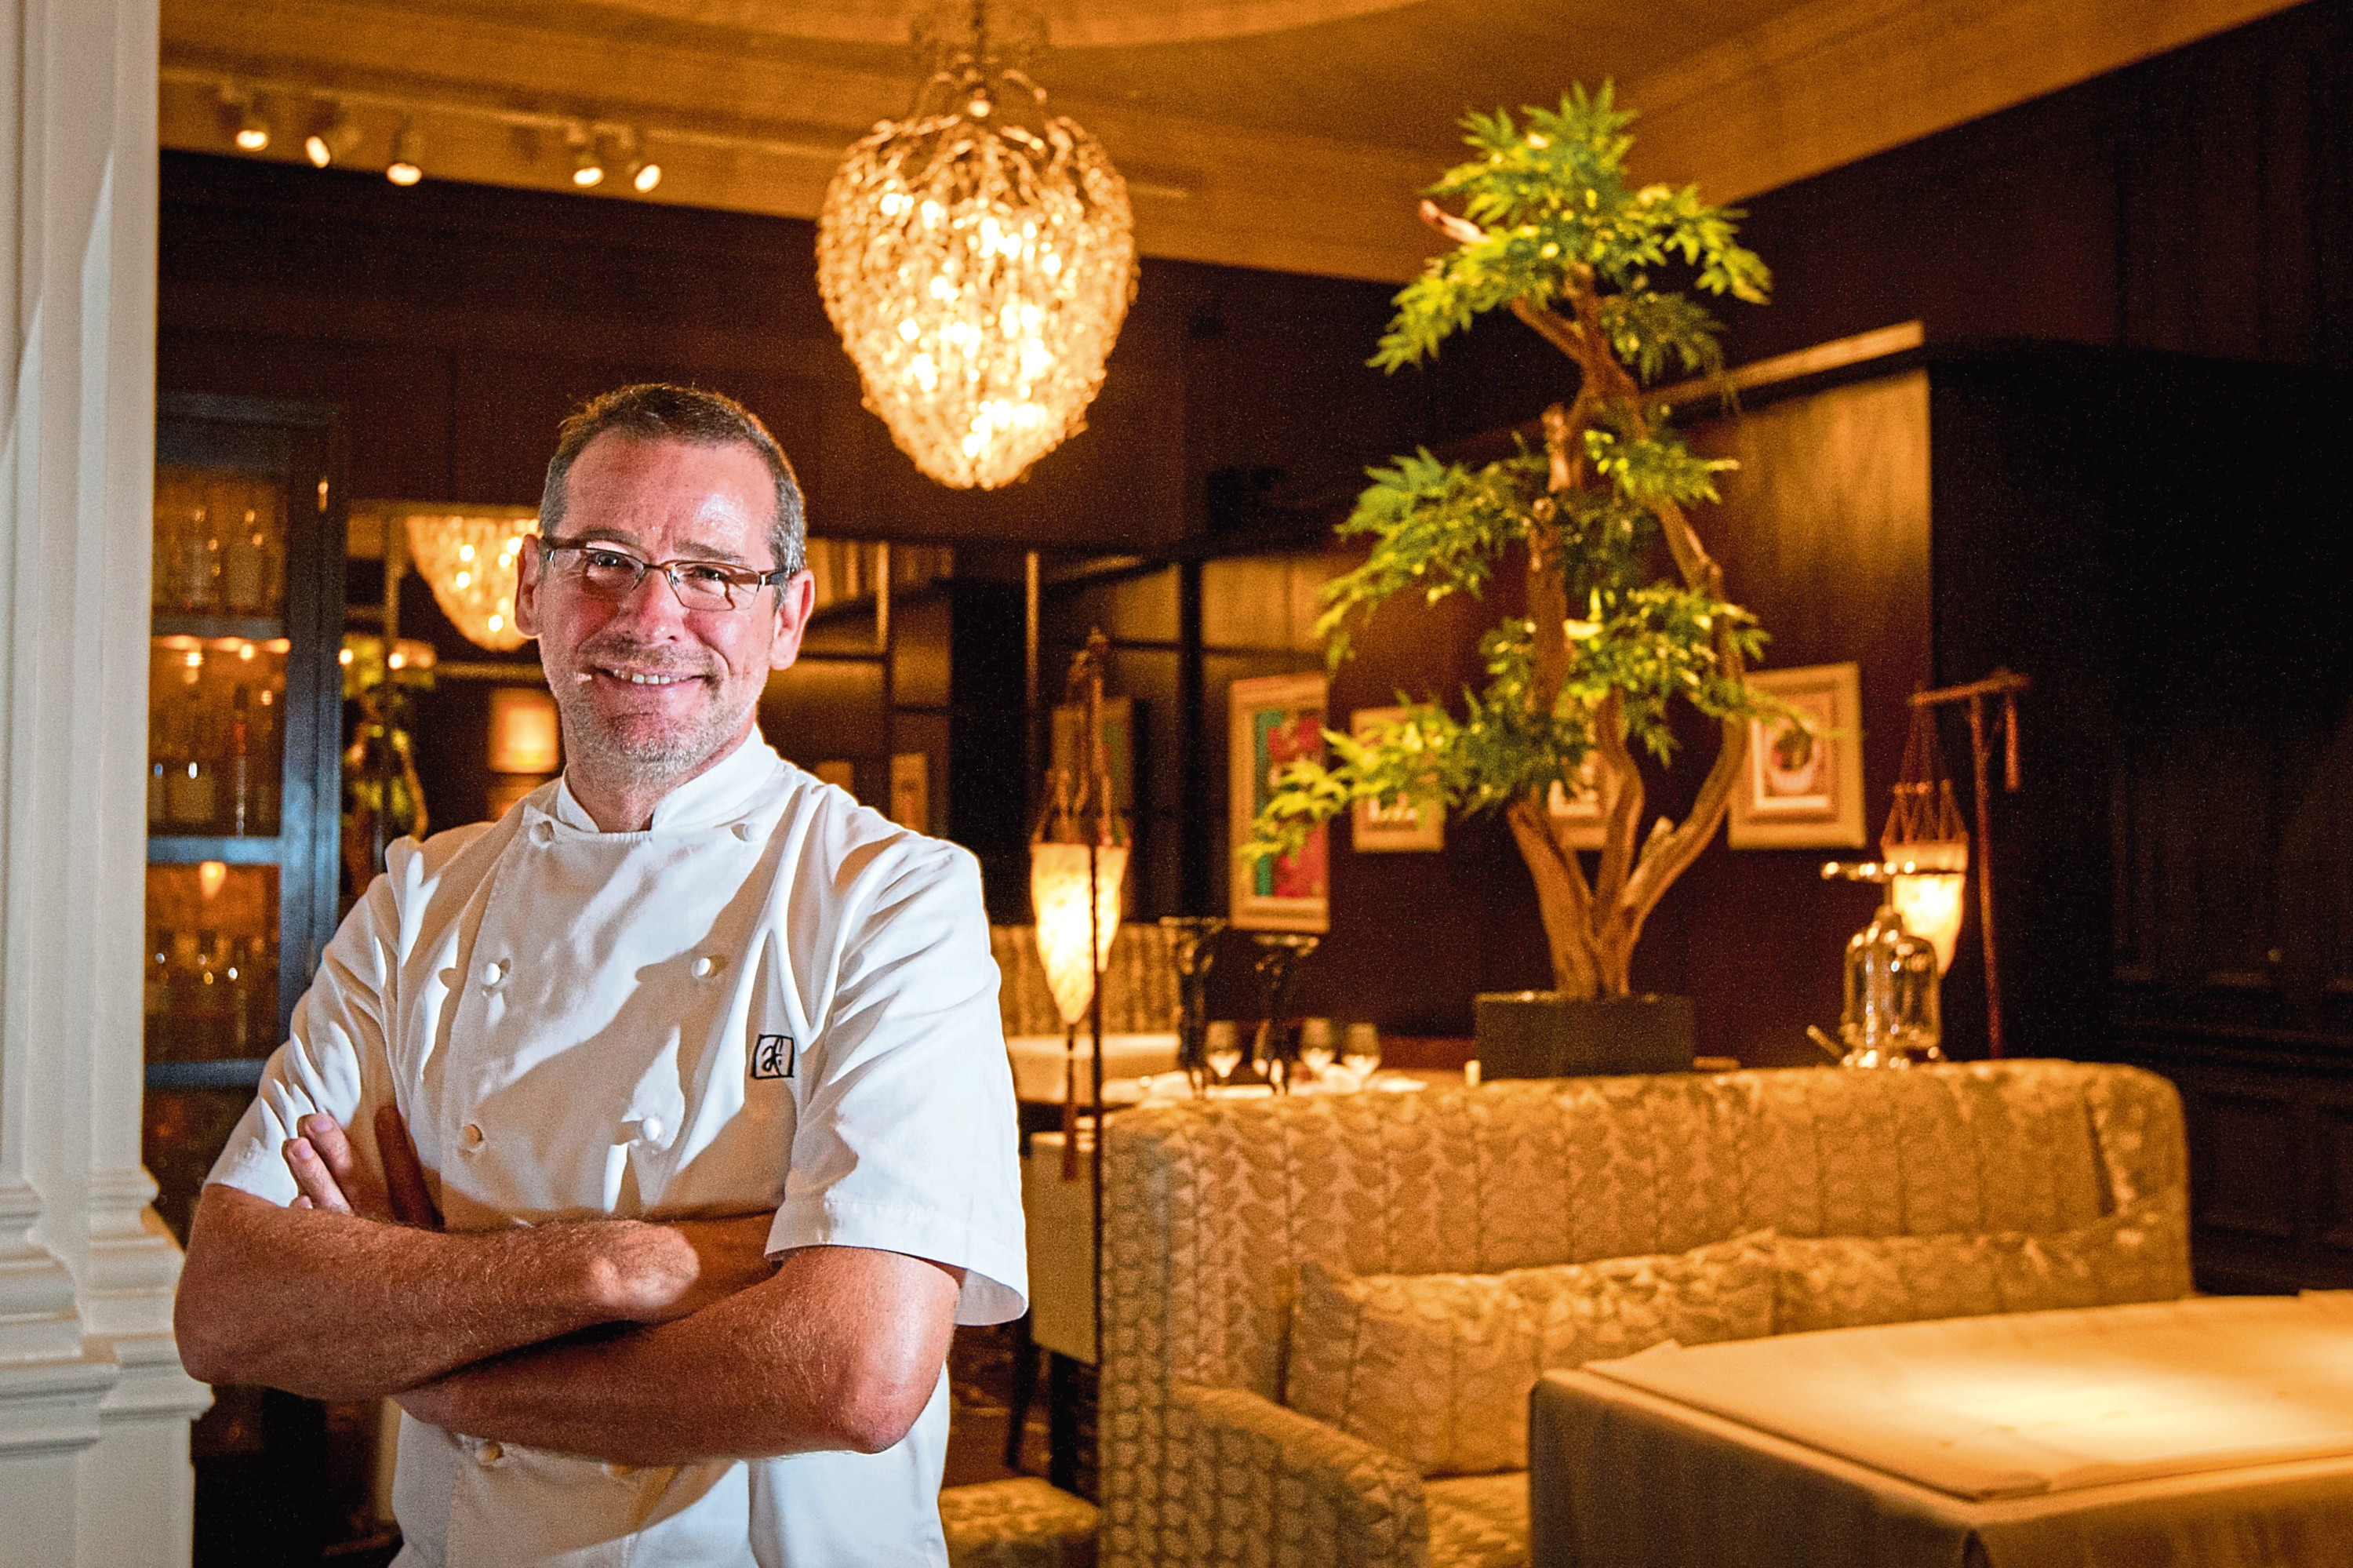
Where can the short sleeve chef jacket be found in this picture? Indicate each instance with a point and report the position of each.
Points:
(771, 999)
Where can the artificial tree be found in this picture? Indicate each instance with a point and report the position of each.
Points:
(1550, 231)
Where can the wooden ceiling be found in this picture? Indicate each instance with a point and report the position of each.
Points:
(1289, 134)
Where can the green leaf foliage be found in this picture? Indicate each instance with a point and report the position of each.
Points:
(1551, 194)
(1562, 231)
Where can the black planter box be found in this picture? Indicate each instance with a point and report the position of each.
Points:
(1542, 1034)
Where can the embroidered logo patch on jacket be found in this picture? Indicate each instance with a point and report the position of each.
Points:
(772, 1056)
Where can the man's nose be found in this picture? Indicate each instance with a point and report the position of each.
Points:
(654, 601)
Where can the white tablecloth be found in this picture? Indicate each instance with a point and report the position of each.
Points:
(1038, 1061)
(2215, 1432)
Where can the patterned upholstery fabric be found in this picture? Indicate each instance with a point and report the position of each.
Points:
(1139, 981)
(1480, 1522)
(1211, 1209)
(1021, 1522)
(2141, 1254)
(1436, 1367)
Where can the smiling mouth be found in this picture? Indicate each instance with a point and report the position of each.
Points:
(639, 678)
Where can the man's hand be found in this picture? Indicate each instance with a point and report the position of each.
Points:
(332, 1178)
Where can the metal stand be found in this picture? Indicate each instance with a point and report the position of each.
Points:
(2006, 685)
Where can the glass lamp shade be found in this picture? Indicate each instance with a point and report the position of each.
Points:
(472, 564)
(1058, 894)
(977, 272)
(1930, 891)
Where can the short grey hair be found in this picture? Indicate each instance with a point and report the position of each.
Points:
(657, 412)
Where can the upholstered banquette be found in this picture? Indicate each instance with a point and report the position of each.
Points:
(1393, 1262)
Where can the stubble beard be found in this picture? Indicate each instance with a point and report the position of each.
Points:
(653, 756)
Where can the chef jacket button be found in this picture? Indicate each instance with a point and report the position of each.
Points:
(491, 1453)
(743, 830)
(706, 966)
(470, 1135)
(493, 972)
(650, 1130)
(542, 831)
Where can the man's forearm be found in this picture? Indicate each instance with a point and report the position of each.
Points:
(339, 1308)
(840, 1350)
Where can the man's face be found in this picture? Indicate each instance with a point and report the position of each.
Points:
(651, 693)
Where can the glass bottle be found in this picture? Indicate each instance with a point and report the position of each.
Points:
(192, 571)
(242, 817)
(242, 566)
(158, 766)
(192, 789)
(268, 764)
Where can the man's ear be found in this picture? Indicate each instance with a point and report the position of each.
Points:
(526, 606)
(796, 602)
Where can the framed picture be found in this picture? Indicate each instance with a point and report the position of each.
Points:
(1802, 786)
(1578, 812)
(1377, 827)
(1276, 720)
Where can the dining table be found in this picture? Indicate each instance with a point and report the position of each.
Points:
(2214, 1431)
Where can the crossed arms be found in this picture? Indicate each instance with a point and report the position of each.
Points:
(634, 1342)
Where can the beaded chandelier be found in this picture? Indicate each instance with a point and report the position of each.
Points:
(472, 564)
(978, 259)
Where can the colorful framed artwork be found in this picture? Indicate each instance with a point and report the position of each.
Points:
(1391, 826)
(1275, 720)
(1803, 785)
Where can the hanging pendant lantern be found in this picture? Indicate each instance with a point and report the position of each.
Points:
(978, 259)
(1925, 845)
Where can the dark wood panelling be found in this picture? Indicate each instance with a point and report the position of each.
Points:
(2197, 203)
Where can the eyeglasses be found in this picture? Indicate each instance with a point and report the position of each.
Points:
(605, 573)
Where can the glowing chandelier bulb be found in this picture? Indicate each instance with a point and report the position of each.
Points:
(472, 564)
(978, 259)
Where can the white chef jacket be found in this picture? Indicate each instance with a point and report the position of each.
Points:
(773, 998)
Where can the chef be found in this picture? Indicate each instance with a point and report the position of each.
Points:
(646, 1144)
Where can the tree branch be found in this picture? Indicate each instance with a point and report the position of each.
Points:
(1563, 898)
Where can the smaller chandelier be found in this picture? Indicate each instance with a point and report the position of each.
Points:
(471, 564)
(978, 259)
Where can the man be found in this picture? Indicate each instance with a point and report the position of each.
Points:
(646, 1144)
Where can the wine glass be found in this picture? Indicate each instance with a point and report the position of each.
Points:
(1224, 1049)
(1316, 1047)
(1360, 1052)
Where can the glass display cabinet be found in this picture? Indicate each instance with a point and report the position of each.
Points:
(243, 726)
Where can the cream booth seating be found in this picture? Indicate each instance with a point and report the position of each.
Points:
(1726, 1206)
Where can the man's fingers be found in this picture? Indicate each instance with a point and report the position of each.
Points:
(403, 1175)
(326, 1136)
(311, 1175)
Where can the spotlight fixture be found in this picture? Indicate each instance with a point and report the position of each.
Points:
(336, 136)
(642, 173)
(404, 169)
(252, 128)
(587, 167)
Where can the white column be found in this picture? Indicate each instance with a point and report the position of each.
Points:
(94, 1408)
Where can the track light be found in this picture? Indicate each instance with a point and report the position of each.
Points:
(642, 173)
(252, 133)
(587, 168)
(336, 136)
(404, 169)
